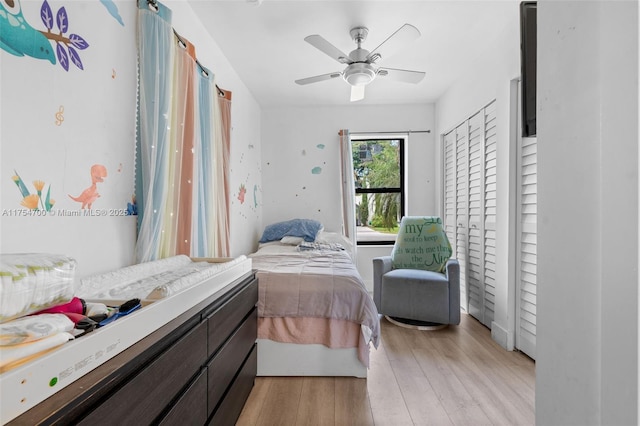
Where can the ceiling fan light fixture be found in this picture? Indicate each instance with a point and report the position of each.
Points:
(361, 65)
(359, 74)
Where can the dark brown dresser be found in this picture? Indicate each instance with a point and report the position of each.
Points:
(197, 369)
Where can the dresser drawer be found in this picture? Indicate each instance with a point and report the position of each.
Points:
(230, 409)
(144, 396)
(191, 408)
(225, 319)
(226, 363)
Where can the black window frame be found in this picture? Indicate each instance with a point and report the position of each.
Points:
(401, 190)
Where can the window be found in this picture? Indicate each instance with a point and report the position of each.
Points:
(378, 168)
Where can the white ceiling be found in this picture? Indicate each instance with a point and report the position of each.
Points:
(265, 44)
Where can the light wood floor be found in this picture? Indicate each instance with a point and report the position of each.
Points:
(455, 376)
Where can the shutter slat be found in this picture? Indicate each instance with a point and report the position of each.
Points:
(527, 255)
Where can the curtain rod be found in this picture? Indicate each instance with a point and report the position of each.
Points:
(387, 133)
(203, 70)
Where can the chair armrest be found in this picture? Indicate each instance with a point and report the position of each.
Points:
(452, 272)
(381, 265)
(452, 269)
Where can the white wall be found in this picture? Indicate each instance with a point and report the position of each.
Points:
(56, 124)
(489, 77)
(296, 140)
(587, 346)
(98, 106)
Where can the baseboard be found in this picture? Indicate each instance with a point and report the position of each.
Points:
(502, 336)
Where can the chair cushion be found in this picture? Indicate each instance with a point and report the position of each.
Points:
(418, 275)
(415, 294)
(421, 244)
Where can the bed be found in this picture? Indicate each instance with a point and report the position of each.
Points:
(315, 315)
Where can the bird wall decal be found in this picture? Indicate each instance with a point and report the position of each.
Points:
(18, 37)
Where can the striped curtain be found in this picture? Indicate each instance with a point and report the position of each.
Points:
(182, 147)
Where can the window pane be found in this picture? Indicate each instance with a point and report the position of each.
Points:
(377, 216)
(376, 163)
(377, 170)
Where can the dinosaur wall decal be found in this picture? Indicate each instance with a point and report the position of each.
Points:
(89, 195)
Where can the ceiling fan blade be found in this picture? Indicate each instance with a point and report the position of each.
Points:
(323, 45)
(405, 76)
(357, 93)
(396, 41)
(317, 78)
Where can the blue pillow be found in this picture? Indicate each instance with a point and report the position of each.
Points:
(304, 228)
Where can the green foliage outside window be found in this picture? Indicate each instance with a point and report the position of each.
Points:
(363, 210)
(376, 165)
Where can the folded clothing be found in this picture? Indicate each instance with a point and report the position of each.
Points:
(14, 355)
(34, 327)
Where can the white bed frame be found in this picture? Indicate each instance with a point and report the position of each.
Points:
(291, 359)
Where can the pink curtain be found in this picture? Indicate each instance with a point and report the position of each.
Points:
(223, 149)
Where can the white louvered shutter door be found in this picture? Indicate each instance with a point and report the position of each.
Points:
(462, 205)
(527, 253)
(489, 223)
(475, 250)
(450, 188)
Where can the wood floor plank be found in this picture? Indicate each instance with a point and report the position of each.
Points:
(386, 399)
(476, 332)
(525, 373)
(281, 404)
(512, 367)
(495, 398)
(352, 402)
(457, 375)
(462, 409)
(252, 408)
(317, 401)
(420, 398)
(509, 368)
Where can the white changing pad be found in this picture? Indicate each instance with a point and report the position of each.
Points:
(152, 280)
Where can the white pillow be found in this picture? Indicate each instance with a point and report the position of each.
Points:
(332, 238)
(292, 241)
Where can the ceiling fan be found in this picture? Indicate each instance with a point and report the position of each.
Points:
(361, 64)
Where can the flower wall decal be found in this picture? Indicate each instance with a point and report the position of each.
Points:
(30, 201)
(34, 201)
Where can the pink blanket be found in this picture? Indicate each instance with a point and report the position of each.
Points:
(331, 333)
(324, 284)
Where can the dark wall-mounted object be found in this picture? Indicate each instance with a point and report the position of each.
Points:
(528, 54)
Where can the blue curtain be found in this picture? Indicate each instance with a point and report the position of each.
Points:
(155, 51)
